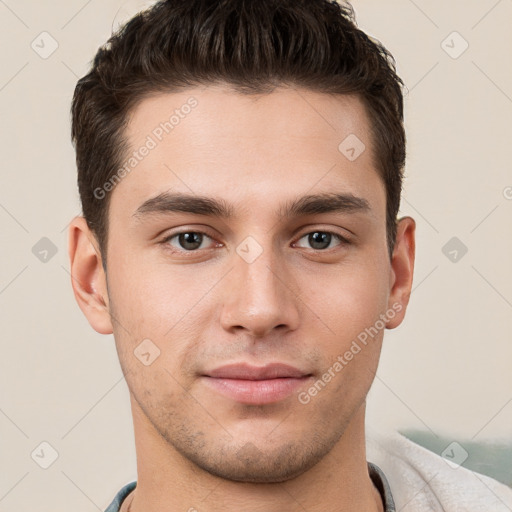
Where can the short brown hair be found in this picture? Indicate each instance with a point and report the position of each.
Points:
(253, 46)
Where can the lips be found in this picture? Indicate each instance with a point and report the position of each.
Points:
(255, 385)
(248, 372)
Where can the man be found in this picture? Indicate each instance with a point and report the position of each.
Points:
(240, 169)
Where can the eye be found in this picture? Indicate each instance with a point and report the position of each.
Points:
(192, 241)
(188, 241)
(321, 240)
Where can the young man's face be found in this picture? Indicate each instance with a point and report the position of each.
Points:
(255, 288)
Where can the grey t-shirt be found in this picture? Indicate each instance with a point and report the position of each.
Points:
(376, 474)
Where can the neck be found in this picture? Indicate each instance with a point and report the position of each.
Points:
(169, 482)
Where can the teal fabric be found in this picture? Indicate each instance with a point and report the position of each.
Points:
(381, 482)
(120, 496)
(376, 474)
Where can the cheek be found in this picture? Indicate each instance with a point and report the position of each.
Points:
(347, 306)
(347, 300)
(152, 296)
(351, 351)
(169, 305)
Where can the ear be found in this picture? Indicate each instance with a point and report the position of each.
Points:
(402, 269)
(88, 277)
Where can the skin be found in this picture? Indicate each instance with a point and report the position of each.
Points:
(295, 303)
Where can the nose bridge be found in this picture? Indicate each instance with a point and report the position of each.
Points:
(260, 277)
(261, 296)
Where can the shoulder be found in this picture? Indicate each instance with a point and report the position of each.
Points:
(421, 480)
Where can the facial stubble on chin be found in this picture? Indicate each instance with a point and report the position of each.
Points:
(222, 457)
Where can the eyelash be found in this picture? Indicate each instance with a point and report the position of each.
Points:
(342, 240)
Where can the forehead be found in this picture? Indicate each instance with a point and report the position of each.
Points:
(220, 111)
(215, 141)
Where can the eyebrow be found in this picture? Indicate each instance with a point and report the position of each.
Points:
(167, 202)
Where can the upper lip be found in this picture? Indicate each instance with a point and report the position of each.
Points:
(246, 371)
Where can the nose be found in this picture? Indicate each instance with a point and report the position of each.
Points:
(260, 296)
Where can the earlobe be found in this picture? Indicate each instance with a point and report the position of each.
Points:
(402, 270)
(88, 277)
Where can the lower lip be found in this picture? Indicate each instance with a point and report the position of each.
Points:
(256, 392)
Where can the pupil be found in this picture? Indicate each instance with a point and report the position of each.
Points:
(190, 240)
(319, 238)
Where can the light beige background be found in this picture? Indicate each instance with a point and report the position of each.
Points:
(446, 370)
